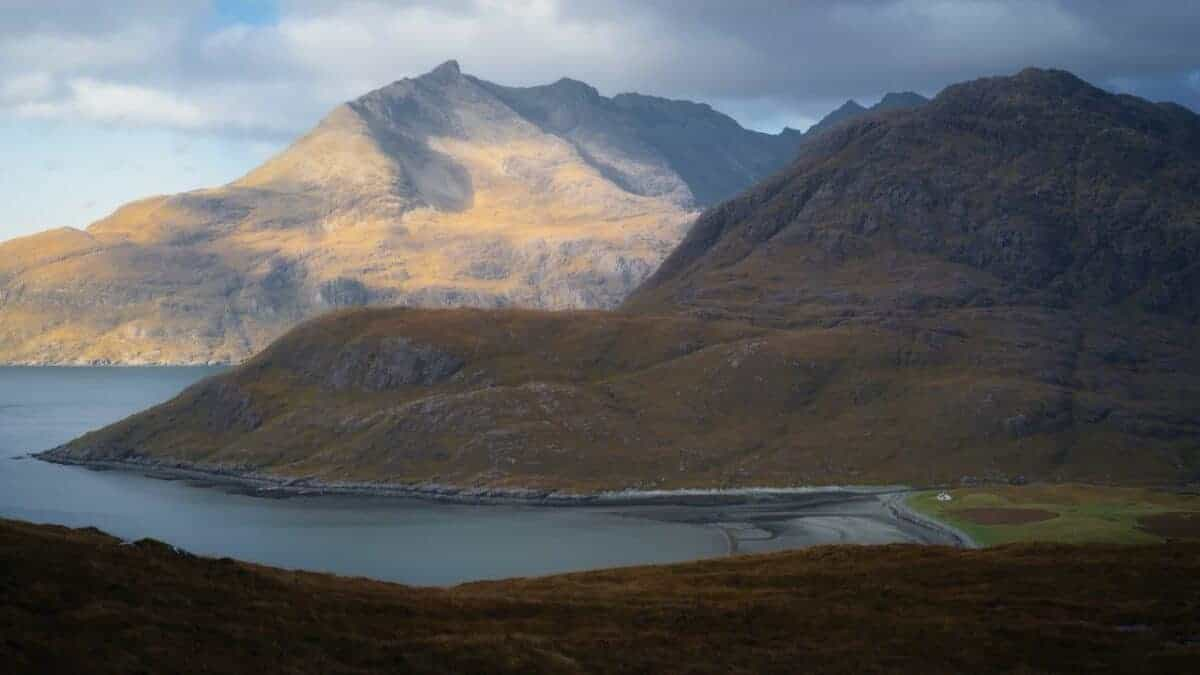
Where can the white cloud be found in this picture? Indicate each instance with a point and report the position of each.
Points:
(228, 106)
(72, 51)
(983, 37)
(98, 101)
(518, 42)
(26, 87)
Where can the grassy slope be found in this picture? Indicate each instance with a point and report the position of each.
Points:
(1034, 235)
(1085, 513)
(78, 600)
(591, 400)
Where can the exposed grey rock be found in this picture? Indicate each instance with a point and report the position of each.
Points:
(344, 292)
(390, 363)
(227, 407)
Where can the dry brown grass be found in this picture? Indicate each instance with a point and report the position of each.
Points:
(1180, 525)
(593, 400)
(79, 601)
(1005, 516)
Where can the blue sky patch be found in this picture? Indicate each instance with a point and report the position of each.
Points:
(249, 12)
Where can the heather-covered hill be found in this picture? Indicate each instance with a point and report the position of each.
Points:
(79, 600)
(1034, 189)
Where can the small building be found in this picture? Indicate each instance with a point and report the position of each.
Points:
(944, 497)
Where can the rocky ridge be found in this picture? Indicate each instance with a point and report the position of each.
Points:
(851, 110)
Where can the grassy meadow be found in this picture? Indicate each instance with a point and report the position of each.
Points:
(1070, 514)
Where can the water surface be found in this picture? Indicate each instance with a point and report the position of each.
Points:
(404, 540)
(410, 541)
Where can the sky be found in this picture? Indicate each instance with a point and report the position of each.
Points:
(106, 101)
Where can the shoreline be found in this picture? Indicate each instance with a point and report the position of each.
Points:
(890, 498)
(897, 505)
(271, 486)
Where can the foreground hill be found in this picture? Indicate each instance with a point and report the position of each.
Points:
(1000, 285)
(80, 601)
(443, 190)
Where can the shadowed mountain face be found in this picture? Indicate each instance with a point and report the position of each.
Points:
(851, 110)
(1037, 189)
(1000, 284)
(1019, 260)
(443, 190)
(654, 146)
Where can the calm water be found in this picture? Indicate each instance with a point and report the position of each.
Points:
(410, 541)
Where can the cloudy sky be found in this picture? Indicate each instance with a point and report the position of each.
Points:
(104, 101)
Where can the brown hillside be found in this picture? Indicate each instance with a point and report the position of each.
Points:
(80, 601)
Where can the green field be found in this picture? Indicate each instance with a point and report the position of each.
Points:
(1081, 513)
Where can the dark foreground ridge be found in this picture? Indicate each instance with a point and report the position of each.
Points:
(81, 601)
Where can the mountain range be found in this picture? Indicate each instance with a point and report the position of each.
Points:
(999, 285)
(441, 190)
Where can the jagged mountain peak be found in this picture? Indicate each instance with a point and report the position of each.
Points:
(437, 190)
(847, 111)
(575, 87)
(446, 71)
(852, 109)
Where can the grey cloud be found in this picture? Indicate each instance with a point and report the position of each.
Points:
(770, 62)
(800, 52)
(19, 17)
